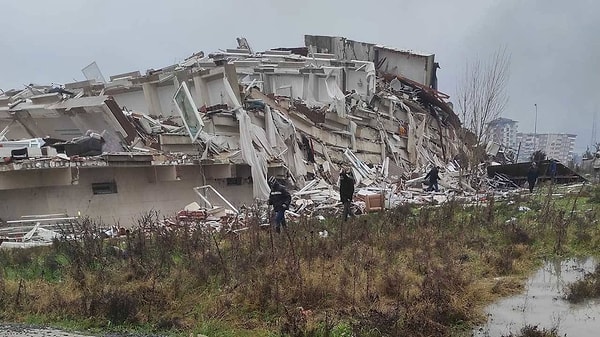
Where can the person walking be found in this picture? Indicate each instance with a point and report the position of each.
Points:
(347, 192)
(553, 170)
(433, 176)
(280, 199)
(532, 175)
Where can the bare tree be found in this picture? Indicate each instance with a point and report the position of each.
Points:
(482, 93)
(538, 156)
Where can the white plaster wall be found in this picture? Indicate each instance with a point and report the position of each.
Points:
(50, 177)
(276, 81)
(165, 95)
(246, 78)
(322, 95)
(353, 50)
(342, 48)
(413, 67)
(357, 80)
(16, 130)
(136, 195)
(133, 100)
(217, 93)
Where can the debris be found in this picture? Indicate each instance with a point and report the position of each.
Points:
(34, 230)
(239, 115)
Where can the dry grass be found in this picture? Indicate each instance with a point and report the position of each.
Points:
(586, 288)
(405, 272)
(535, 331)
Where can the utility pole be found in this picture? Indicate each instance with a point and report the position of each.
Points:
(535, 124)
(594, 139)
(535, 130)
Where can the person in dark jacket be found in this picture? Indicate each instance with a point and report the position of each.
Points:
(433, 177)
(532, 175)
(347, 192)
(280, 198)
(553, 170)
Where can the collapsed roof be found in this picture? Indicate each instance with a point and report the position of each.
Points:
(302, 110)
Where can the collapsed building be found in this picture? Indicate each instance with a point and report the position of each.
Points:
(228, 119)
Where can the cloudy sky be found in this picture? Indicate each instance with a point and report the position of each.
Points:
(554, 44)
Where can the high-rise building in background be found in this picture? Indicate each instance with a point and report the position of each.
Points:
(557, 146)
(504, 132)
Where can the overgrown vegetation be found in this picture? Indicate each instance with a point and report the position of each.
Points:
(535, 331)
(586, 288)
(404, 272)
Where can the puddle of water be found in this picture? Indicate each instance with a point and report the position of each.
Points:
(542, 304)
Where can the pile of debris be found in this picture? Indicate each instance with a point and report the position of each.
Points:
(299, 114)
(35, 230)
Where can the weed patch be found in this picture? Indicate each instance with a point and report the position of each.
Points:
(586, 288)
(409, 271)
(535, 331)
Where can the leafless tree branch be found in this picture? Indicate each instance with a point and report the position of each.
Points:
(482, 93)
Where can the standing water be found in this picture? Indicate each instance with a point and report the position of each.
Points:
(543, 304)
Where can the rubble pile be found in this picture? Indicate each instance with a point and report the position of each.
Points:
(238, 116)
(35, 231)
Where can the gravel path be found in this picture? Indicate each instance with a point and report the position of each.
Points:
(26, 331)
(16, 330)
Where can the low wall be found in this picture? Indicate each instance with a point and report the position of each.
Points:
(138, 190)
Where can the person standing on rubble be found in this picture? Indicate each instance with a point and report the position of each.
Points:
(532, 175)
(280, 198)
(433, 176)
(347, 192)
(553, 170)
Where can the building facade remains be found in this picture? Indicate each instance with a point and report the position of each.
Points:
(229, 119)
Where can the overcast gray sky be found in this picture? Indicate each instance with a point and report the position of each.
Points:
(554, 44)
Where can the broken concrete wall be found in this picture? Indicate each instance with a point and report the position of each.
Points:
(136, 194)
(292, 85)
(342, 48)
(416, 66)
(131, 100)
(12, 180)
(361, 79)
(290, 79)
(14, 129)
(67, 119)
(272, 113)
(165, 94)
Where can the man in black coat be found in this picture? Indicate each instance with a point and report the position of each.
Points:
(346, 192)
(433, 179)
(280, 198)
(532, 175)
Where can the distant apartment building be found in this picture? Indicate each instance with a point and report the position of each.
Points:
(557, 146)
(504, 132)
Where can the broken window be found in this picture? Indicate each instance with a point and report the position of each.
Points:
(188, 111)
(104, 188)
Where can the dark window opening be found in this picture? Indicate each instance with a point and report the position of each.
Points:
(104, 188)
